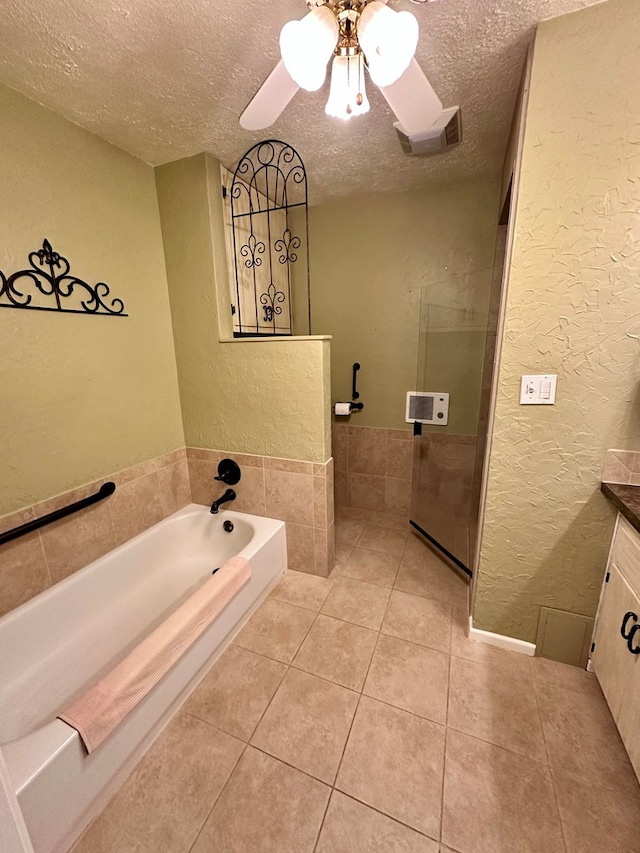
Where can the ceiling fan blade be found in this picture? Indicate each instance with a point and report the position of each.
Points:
(413, 100)
(270, 99)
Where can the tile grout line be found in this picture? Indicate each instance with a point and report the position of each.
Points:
(539, 761)
(248, 742)
(446, 733)
(222, 790)
(447, 729)
(324, 817)
(344, 748)
(287, 668)
(548, 754)
(379, 630)
(46, 559)
(444, 776)
(388, 816)
(352, 796)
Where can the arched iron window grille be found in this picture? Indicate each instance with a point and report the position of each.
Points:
(270, 225)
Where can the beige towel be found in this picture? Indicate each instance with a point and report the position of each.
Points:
(97, 712)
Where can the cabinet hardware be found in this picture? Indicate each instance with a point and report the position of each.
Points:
(635, 650)
(630, 634)
(623, 628)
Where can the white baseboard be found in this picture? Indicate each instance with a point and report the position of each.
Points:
(509, 644)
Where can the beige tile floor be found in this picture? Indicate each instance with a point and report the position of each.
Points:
(352, 715)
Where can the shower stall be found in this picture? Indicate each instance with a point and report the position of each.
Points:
(456, 351)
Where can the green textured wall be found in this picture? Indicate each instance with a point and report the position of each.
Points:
(268, 397)
(370, 258)
(572, 309)
(80, 396)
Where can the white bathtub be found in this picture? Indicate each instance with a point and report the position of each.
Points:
(59, 643)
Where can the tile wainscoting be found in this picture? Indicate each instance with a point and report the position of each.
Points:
(373, 468)
(622, 466)
(146, 493)
(300, 493)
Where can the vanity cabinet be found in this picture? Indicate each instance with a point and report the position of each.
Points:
(615, 658)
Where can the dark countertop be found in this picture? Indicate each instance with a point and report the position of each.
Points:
(626, 500)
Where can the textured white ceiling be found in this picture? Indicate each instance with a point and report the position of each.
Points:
(165, 79)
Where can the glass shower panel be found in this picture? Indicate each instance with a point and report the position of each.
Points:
(451, 355)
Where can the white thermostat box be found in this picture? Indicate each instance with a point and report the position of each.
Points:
(427, 407)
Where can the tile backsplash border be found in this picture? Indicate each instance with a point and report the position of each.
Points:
(150, 491)
(622, 467)
(300, 493)
(146, 493)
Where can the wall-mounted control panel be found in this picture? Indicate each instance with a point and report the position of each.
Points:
(538, 390)
(427, 407)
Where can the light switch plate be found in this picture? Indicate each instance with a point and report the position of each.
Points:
(539, 390)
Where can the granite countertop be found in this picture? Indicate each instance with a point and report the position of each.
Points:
(626, 500)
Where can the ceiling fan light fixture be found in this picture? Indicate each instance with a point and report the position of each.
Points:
(388, 40)
(307, 45)
(347, 96)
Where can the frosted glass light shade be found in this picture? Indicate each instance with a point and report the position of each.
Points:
(389, 40)
(307, 45)
(347, 96)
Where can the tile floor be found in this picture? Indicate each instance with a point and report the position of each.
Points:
(352, 715)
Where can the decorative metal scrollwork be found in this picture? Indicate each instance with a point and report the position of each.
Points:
(270, 230)
(269, 301)
(251, 250)
(49, 276)
(285, 246)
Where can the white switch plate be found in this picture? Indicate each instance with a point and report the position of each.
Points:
(538, 390)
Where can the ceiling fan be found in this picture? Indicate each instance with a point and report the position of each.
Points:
(358, 34)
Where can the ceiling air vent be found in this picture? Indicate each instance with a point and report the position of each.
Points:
(443, 134)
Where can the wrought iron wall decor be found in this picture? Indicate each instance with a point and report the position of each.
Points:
(270, 224)
(51, 283)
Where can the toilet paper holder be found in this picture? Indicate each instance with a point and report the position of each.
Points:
(347, 408)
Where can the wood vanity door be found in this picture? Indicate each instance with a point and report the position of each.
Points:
(613, 663)
(628, 719)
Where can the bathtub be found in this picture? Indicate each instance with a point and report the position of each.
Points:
(59, 643)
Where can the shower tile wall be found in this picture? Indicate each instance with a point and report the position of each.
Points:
(146, 494)
(299, 493)
(373, 468)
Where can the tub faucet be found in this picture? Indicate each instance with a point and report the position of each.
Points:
(229, 495)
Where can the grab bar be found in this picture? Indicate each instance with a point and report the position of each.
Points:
(105, 490)
(354, 387)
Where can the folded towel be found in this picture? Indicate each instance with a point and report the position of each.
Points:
(97, 712)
